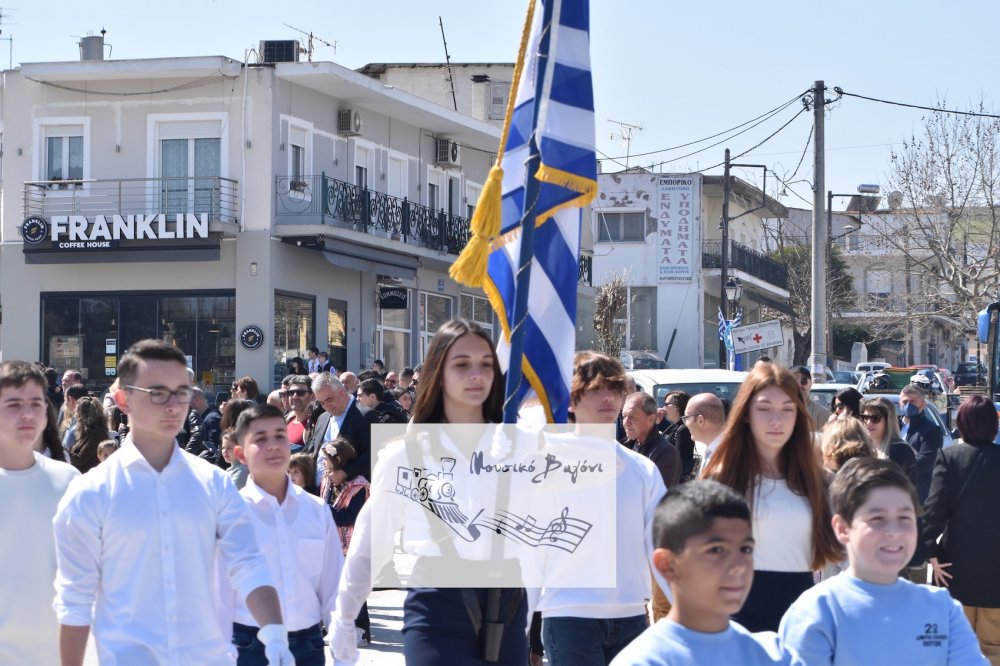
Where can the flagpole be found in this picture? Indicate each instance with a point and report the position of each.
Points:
(522, 279)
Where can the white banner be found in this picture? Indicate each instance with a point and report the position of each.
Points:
(678, 225)
(752, 337)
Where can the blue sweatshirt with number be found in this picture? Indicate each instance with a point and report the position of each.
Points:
(845, 621)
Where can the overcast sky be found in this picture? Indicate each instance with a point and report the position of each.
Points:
(681, 70)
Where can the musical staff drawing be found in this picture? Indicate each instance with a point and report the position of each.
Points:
(564, 532)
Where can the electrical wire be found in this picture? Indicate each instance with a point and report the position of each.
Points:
(755, 146)
(805, 149)
(841, 91)
(196, 83)
(772, 112)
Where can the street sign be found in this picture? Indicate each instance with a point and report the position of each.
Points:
(764, 335)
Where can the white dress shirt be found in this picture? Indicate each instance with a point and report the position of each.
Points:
(302, 547)
(136, 551)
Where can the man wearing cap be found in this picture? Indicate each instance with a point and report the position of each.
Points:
(820, 414)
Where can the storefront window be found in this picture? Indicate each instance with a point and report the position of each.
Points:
(435, 310)
(394, 336)
(294, 323)
(90, 332)
(477, 309)
(336, 331)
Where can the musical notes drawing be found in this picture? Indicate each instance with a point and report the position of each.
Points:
(563, 532)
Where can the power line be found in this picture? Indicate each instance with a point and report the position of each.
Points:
(757, 145)
(804, 150)
(840, 91)
(768, 114)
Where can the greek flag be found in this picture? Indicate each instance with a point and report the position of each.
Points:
(566, 181)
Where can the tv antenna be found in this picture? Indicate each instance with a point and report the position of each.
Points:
(9, 38)
(624, 134)
(309, 44)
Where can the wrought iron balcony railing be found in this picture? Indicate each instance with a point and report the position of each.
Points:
(371, 212)
(745, 259)
(215, 196)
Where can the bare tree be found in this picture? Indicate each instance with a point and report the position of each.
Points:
(794, 252)
(610, 305)
(943, 226)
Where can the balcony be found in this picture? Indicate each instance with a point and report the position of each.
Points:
(214, 196)
(335, 202)
(742, 258)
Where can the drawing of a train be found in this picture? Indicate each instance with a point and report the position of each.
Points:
(421, 484)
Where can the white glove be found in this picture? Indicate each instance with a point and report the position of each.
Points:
(275, 640)
(344, 642)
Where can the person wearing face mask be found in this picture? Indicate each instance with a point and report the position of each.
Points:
(922, 434)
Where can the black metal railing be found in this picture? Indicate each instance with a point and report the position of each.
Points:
(744, 259)
(371, 212)
(211, 195)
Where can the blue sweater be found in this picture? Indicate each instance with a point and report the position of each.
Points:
(667, 643)
(847, 621)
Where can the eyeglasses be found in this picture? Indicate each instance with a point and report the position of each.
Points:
(298, 393)
(871, 418)
(161, 396)
(688, 417)
(671, 404)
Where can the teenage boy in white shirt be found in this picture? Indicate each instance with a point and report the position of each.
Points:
(31, 485)
(589, 626)
(298, 538)
(136, 538)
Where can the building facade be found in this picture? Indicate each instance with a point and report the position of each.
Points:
(244, 211)
(662, 232)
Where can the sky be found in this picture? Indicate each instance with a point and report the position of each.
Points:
(681, 70)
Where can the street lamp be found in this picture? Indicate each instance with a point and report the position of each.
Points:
(734, 292)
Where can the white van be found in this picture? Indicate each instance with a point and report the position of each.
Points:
(871, 366)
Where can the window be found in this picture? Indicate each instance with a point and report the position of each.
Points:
(294, 323)
(394, 336)
(63, 154)
(361, 177)
(297, 141)
(642, 318)
(433, 198)
(499, 90)
(435, 310)
(336, 332)
(618, 227)
(190, 165)
(477, 309)
(472, 192)
(397, 175)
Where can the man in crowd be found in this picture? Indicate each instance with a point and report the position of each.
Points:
(406, 378)
(313, 364)
(379, 367)
(392, 380)
(350, 382)
(341, 418)
(210, 418)
(192, 436)
(382, 407)
(922, 434)
(820, 414)
(300, 396)
(31, 485)
(705, 417)
(324, 363)
(136, 538)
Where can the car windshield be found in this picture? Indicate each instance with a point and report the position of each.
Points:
(648, 363)
(724, 390)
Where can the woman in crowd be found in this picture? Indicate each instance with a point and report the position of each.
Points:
(91, 430)
(846, 403)
(844, 439)
(245, 388)
(879, 417)
(405, 399)
(767, 454)
(676, 432)
(461, 383)
(965, 489)
(50, 443)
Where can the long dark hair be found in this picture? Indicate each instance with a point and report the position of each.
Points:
(232, 411)
(51, 441)
(429, 405)
(737, 464)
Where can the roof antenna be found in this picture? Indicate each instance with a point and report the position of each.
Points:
(447, 59)
(309, 44)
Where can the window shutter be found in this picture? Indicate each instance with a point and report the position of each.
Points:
(199, 129)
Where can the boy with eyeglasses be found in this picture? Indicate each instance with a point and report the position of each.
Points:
(136, 538)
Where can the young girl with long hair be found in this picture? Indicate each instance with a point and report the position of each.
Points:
(768, 454)
(460, 383)
(91, 430)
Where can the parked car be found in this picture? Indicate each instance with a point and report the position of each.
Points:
(657, 383)
(931, 411)
(846, 377)
(970, 374)
(643, 360)
(871, 365)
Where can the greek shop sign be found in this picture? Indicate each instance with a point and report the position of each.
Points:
(102, 232)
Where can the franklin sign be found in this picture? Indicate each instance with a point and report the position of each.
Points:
(66, 231)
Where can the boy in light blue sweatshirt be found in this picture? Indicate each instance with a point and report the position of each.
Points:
(704, 550)
(867, 614)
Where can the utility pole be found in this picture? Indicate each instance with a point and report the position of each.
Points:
(817, 358)
(724, 262)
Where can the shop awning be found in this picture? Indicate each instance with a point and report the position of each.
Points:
(376, 262)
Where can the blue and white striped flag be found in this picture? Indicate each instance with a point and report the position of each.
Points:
(567, 179)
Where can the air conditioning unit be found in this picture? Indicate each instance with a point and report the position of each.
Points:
(448, 153)
(349, 122)
(280, 50)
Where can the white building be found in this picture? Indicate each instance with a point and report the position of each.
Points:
(305, 191)
(662, 231)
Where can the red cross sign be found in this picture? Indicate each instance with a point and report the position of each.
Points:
(757, 338)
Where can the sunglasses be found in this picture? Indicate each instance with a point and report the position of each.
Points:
(298, 393)
(871, 418)
(805, 381)
(671, 404)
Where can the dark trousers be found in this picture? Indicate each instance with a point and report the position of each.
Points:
(307, 646)
(364, 622)
(582, 641)
(437, 629)
(770, 596)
